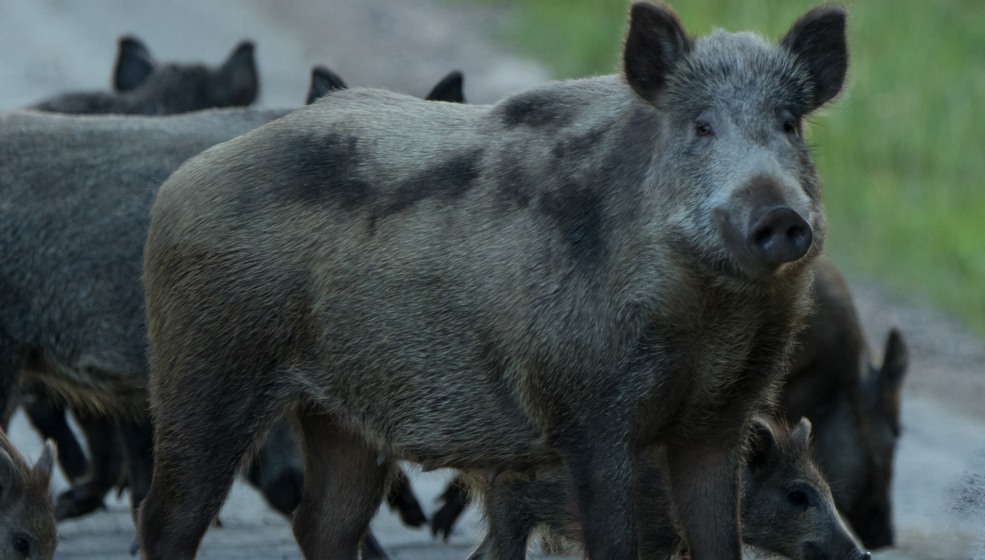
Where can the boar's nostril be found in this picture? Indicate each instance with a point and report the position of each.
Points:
(780, 236)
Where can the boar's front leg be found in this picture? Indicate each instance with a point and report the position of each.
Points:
(704, 478)
(344, 483)
(599, 462)
(10, 376)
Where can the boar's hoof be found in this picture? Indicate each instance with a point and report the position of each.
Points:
(78, 501)
(780, 236)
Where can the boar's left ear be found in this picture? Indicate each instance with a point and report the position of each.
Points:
(236, 83)
(448, 89)
(763, 448)
(46, 461)
(818, 41)
(134, 64)
(323, 81)
(654, 44)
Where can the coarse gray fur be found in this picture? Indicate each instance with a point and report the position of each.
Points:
(573, 274)
(142, 86)
(27, 515)
(787, 506)
(75, 196)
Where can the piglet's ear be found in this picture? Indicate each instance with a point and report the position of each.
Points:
(818, 41)
(449, 89)
(323, 81)
(763, 447)
(46, 461)
(654, 44)
(801, 433)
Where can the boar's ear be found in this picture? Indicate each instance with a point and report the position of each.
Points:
(818, 41)
(46, 461)
(323, 81)
(654, 44)
(448, 89)
(763, 447)
(800, 435)
(236, 82)
(894, 362)
(133, 64)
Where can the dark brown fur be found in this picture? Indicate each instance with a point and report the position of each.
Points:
(27, 515)
(787, 507)
(853, 404)
(622, 307)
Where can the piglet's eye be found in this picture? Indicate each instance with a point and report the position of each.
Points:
(790, 127)
(703, 129)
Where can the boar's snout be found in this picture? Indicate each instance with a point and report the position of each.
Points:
(779, 235)
(814, 551)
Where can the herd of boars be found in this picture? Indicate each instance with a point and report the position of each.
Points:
(602, 300)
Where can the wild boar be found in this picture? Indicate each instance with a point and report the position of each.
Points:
(787, 506)
(570, 275)
(27, 516)
(142, 86)
(324, 81)
(853, 404)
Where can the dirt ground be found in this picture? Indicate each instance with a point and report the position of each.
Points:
(52, 46)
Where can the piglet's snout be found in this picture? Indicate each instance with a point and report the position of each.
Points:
(779, 235)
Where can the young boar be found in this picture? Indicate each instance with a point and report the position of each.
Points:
(27, 518)
(573, 274)
(853, 404)
(142, 86)
(787, 507)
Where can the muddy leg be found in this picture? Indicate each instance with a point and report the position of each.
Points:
(455, 498)
(339, 502)
(705, 485)
(104, 471)
(197, 453)
(49, 419)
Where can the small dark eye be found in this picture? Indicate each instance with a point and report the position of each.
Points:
(797, 498)
(790, 127)
(703, 128)
(21, 545)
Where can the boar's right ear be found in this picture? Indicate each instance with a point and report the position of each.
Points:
(654, 44)
(448, 89)
(236, 82)
(818, 41)
(134, 64)
(763, 447)
(323, 81)
(46, 461)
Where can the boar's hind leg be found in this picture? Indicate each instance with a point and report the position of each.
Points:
(200, 441)
(344, 484)
(104, 470)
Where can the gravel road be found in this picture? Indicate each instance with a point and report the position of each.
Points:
(52, 46)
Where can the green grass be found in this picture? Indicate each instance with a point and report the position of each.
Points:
(902, 154)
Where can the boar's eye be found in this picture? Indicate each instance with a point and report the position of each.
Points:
(799, 498)
(703, 128)
(790, 123)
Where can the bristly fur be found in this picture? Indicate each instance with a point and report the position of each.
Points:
(573, 274)
(27, 515)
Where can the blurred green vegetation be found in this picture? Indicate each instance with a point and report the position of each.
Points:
(901, 154)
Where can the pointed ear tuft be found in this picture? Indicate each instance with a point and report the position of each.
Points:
(819, 43)
(894, 363)
(762, 445)
(46, 461)
(801, 433)
(323, 81)
(236, 82)
(448, 89)
(134, 64)
(654, 44)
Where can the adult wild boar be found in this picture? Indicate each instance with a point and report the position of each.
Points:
(572, 274)
(853, 404)
(27, 517)
(142, 86)
(787, 506)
